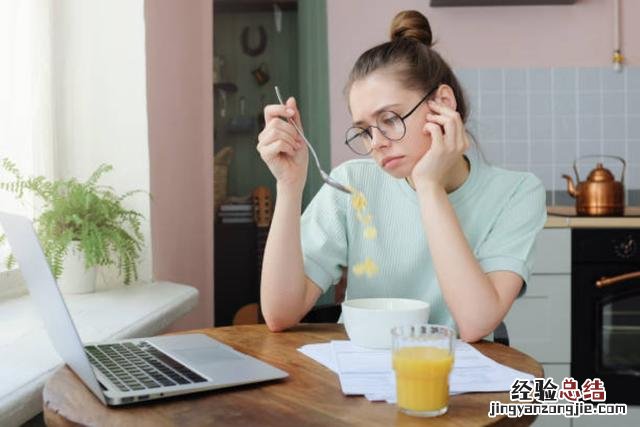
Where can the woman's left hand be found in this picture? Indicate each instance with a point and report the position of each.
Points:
(449, 141)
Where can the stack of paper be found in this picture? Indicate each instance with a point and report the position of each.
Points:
(369, 372)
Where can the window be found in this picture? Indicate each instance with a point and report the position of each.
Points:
(26, 125)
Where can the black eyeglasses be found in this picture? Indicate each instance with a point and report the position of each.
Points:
(390, 124)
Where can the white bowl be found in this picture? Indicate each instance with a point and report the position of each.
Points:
(368, 321)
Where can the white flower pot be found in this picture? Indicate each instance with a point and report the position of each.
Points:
(75, 279)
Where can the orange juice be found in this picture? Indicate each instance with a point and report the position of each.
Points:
(422, 377)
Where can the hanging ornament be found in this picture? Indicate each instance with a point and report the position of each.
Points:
(618, 58)
(262, 43)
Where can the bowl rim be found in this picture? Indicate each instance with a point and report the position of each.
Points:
(417, 304)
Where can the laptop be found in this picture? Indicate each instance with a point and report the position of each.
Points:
(133, 370)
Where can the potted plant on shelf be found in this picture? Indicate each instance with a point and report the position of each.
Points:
(81, 225)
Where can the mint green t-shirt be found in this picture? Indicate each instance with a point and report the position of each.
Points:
(500, 212)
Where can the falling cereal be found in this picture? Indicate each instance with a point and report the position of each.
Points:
(364, 219)
(359, 203)
(367, 267)
(370, 233)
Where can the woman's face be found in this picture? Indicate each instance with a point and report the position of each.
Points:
(380, 91)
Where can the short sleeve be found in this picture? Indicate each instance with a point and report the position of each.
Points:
(324, 237)
(510, 242)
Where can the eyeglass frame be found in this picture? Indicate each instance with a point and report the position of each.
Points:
(368, 131)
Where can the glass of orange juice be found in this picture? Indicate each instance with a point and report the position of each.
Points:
(422, 360)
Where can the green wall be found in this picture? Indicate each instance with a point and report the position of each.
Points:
(297, 61)
(247, 169)
(314, 86)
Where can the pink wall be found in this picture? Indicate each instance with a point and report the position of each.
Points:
(514, 36)
(180, 109)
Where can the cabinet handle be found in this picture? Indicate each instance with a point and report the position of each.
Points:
(606, 281)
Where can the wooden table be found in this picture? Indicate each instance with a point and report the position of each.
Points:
(311, 396)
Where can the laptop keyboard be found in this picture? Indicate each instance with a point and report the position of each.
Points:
(139, 366)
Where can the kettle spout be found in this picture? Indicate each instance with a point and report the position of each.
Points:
(570, 187)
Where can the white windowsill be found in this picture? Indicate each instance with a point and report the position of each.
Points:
(28, 358)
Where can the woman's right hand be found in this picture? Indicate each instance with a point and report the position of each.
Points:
(280, 146)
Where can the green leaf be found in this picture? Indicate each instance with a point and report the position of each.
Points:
(108, 233)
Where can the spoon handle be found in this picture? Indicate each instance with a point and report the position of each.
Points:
(325, 176)
(315, 156)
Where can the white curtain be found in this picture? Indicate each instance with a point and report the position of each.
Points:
(26, 110)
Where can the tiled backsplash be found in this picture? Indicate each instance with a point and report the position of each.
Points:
(542, 119)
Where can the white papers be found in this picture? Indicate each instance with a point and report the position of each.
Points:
(473, 372)
(369, 372)
(321, 353)
(363, 371)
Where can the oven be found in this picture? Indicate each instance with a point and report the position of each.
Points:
(605, 307)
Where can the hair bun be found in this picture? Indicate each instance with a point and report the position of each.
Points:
(411, 24)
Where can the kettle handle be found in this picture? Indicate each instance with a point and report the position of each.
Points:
(599, 156)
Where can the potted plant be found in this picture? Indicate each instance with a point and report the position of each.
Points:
(81, 225)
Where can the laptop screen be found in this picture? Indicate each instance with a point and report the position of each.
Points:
(47, 298)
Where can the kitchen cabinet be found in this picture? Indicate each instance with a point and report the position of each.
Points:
(539, 322)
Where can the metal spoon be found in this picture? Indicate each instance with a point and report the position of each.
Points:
(325, 176)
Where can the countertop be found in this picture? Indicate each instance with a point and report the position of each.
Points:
(563, 217)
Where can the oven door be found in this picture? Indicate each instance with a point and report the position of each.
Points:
(606, 329)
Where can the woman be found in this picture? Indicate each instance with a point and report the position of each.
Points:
(452, 230)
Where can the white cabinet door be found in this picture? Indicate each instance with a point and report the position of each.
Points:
(553, 251)
(539, 323)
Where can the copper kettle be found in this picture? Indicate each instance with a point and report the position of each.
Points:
(600, 194)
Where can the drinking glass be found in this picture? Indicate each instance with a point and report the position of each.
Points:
(422, 360)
